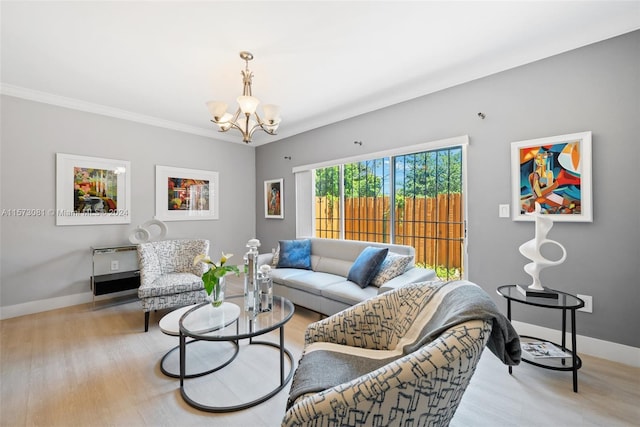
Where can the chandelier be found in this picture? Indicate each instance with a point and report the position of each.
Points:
(246, 118)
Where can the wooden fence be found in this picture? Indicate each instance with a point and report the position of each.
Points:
(433, 226)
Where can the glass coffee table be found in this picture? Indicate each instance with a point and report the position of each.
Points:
(206, 323)
(169, 324)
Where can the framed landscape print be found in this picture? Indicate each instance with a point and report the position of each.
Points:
(554, 172)
(186, 194)
(274, 199)
(92, 190)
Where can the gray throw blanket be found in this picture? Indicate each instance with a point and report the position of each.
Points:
(320, 370)
(470, 302)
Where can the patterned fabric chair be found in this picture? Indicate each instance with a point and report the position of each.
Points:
(168, 277)
(402, 358)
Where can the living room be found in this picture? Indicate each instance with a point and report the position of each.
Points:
(594, 88)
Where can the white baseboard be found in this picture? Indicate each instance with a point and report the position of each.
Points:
(586, 345)
(39, 306)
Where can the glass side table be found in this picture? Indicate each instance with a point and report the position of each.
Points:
(565, 302)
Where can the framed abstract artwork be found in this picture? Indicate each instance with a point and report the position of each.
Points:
(92, 190)
(186, 194)
(554, 172)
(274, 199)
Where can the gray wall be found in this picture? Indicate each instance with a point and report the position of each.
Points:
(41, 260)
(594, 88)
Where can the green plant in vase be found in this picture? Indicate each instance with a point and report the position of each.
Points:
(214, 275)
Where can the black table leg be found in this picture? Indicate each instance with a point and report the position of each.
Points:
(574, 351)
(182, 358)
(509, 318)
(282, 355)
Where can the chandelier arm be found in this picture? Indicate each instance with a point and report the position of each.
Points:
(233, 122)
(258, 119)
(261, 127)
(236, 116)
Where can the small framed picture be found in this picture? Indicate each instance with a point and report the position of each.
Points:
(92, 190)
(186, 194)
(554, 172)
(274, 199)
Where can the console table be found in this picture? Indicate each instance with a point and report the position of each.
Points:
(114, 269)
(565, 302)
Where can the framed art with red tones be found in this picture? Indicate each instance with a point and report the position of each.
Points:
(186, 194)
(274, 199)
(92, 190)
(555, 172)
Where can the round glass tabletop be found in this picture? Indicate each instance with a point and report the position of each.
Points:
(230, 321)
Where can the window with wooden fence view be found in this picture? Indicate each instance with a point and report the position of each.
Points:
(354, 201)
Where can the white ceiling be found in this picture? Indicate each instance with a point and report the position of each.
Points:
(321, 61)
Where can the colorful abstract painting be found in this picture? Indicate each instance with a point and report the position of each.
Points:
(554, 172)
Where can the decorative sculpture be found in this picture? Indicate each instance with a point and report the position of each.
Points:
(251, 277)
(143, 234)
(531, 249)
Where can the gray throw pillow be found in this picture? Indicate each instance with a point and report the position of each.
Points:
(392, 266)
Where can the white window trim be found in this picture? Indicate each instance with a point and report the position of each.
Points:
(305, 185)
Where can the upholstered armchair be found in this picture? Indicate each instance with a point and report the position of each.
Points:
(168, 277)
(402, 358)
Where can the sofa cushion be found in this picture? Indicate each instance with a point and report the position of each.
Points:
(336, 266)
(281, 275)
(392, 266)
(349, 250)
(313, 282)
(349, 292)
(366, 265)
(295, 254)
(172, 283)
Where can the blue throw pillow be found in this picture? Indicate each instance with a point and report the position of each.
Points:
(366, 265)
(295, 254)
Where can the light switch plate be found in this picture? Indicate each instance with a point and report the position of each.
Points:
(503, 211)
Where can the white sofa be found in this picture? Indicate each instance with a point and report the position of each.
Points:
(325, 288)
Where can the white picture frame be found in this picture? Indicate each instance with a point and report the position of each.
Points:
(274, 198)
(555, 172)
(186, 194)
(92, 190)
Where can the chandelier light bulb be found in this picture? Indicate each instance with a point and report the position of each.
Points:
(217, 109)
(271, 113)
(248, 104)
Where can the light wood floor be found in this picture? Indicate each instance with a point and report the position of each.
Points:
(94, 366)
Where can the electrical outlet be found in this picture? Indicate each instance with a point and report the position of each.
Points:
(503, 211)
(588, 303)
(115, 265)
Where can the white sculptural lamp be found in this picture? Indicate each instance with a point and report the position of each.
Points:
(532, 251)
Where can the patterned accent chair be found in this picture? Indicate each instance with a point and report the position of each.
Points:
(168, 277)
(408, 364)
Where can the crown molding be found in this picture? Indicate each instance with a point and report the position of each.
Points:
(88, 107)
